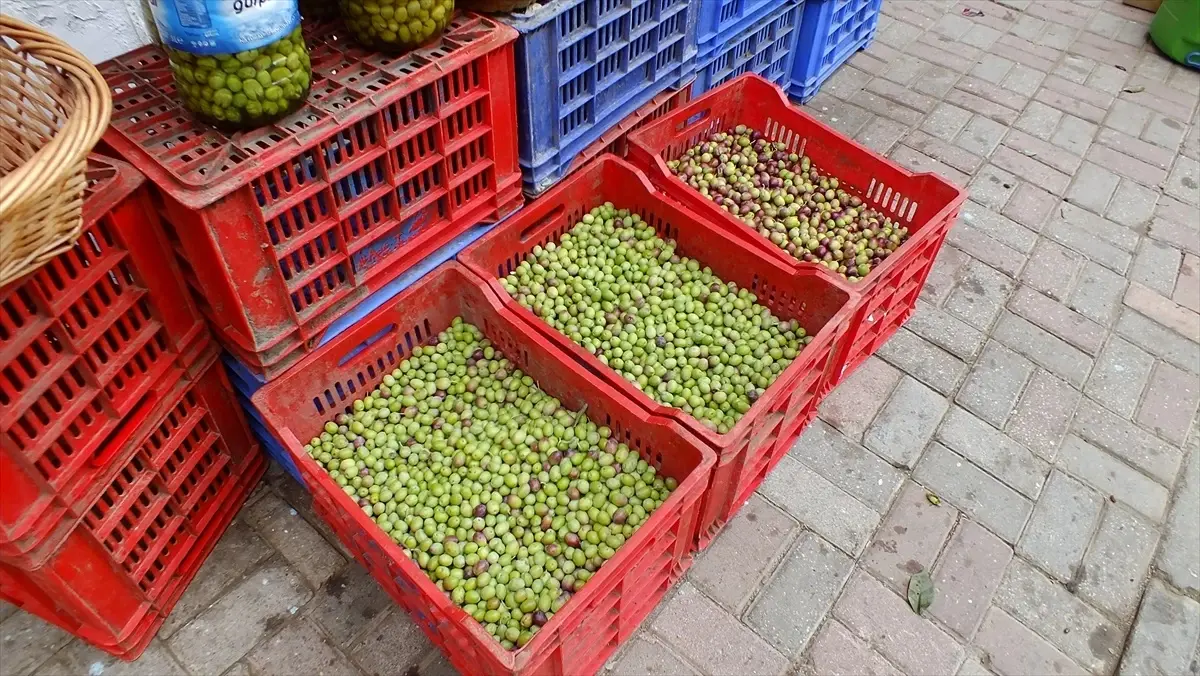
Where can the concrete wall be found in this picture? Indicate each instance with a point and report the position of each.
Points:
(101, 29)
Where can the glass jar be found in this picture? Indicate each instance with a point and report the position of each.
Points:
(396, 26)
(238, 64)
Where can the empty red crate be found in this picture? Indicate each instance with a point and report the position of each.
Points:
(284, 228)
(85, 340)
(924, 203)
(130, 555)
(763, 435)
(588, 629)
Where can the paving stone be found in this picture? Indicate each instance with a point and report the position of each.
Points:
(906, 423)
(1113, 233)
(348, 603)
(973, 663)
(991, 68)
(1119, 376)
(1133, 205)
(1164, 312)
(298, 649)
(1043, 414)
(647, 657)
(1051, 611)
(436, 664)
(1165, 131)
(26, 642)
(1113, 477)
(995, 383)
(1039, 120)
(1058, 533)
(1117, 561)
(991, 450)
(1086, 242)
(1033, 170)
(1124, 165)
(1170, 403)
(885, 622)
(979, 295)
(967, 575)
(924, 361)
(1181, 538)
(1187, 286)
(950, 260)
(1052, 269)
(1133, 147)
(1156, 458)
(917, 161)
(1164, 636)
(819, 504)
(1045, 153)
(980, 136)
(854, 403)
(1128, 117)
(238, 550)
(1044, 349)
(1058, 319)
(78, 657)
(945, 121)
(946, 331)
(943, 151)
(287, 531)
(247, 613)
(879, 105)
(881, 133)
(697, 627)
(910, 537)
(902, 95)
(1092, 187)
(956, 480)
(1014, 649)
(1156, 266)
(393, 646)
(837, 652)
(992, 186)
(1160, 341)
(1000, 228)
(1174, 223)
(7, 610)
(745, 552)
(983, 248)
(1023, 80)
(1071, 104)
(1074, 134)
(1098, 294)
(791, 605)
(847, 465)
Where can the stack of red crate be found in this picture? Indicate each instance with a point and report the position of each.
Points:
(123, 455)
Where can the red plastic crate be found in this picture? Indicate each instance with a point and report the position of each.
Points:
(615, 140)
(132, 553)
(924, 203)
(765, 433)
(86, 343)
(284, 228)
(579, 638)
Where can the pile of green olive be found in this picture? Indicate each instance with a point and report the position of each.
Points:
(247, 89)
(664, 322)
(396, 25)
(508, 501)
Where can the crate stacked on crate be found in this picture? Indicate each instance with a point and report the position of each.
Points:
(122, 455)
(926, 204)
(583, 66)
(587, 630)
(748, 38)
(830, 33)
(282, 230)
(748, 451)
(615, 139)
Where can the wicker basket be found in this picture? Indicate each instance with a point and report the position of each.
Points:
(54, 106)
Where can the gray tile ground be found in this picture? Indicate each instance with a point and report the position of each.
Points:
(1045, 393)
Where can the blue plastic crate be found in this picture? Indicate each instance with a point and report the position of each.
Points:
(830, 33)
(246, 382)
(764, 48)
(584, 65)
(721, 20)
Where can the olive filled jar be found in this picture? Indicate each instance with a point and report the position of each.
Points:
(396, 25)
(238, 64)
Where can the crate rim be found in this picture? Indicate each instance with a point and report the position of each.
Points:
(513, 660)
(830, 332)
(499, 35)
(641, 152)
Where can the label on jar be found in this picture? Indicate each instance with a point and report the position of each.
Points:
(223, 26)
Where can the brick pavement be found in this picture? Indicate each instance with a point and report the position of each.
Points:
(1046, 390)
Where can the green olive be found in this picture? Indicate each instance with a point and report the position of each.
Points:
(449, 456)
(247, 89)
(396, 25)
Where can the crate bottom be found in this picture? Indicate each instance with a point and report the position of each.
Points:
(803, 92)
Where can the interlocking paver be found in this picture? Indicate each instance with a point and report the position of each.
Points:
(1156, 266)
(1043, 414)
(1092, 187)
(1187, 284)
(995, 383)
(1119, 376)
(979, 295)
(696, 627)
(1043, 348)
(1098, 294)
(820, 505)
(946, 331)
(853, 405)
(394, 645)
(1181, 537)
(1115, 566)
(1061, 526)
(955, 479)
(1159, 340)
(78, 657)
(1058, 319)
(745, 552)
(1170, 403)
(1052, 269)
(906, 423)
(849, 466)
(27, 641)
(990, 449)
(924, 361)
(1123, 439)
(910, 537)
(999, 227)
(835, 651)
(298, 649)
(1114, 478)
(1165, 635)
(1133, 205)
(967, 575)
(348, 603)
(791, 605)
(1015, 649)
(283, 526)
(647, 657)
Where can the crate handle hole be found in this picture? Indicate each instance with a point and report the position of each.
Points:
(555, 214)
(358, 349)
